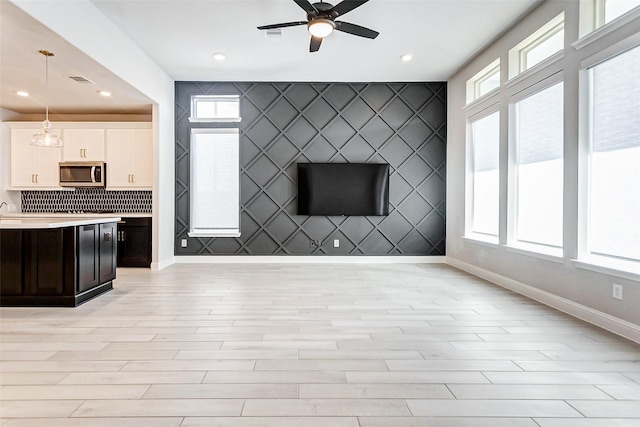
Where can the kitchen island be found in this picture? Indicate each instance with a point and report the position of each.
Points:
(56, 262)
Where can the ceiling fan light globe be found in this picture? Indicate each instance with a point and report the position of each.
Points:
(321, 27)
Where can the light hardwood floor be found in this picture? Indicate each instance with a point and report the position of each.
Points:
(312, 346)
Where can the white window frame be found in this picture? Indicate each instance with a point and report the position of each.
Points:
(214, 230)
(593, 25)
(600, 7)
(517, 55)
(473, 84)
(196, 99)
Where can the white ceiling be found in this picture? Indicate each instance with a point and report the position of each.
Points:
(181, 35)
(23, 68)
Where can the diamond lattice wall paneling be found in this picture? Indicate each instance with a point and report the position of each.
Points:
(403, 124)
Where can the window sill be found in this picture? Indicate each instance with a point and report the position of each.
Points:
(214, 233)
(482, 240)
(543, 67)
(215, 120)
(540, 252)
(622, 270)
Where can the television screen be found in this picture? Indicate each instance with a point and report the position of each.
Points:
(357, 189)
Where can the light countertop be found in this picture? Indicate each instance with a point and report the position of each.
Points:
(7, 223)
(14, 215)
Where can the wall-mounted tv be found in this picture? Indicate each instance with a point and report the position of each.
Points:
(356, 189)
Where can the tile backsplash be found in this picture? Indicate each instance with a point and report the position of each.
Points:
(86, 199)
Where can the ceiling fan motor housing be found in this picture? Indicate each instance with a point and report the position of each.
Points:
(324, 10)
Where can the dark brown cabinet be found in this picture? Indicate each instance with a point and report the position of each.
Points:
(56, 267)
(107, 252)
(134, 242)
(88, 261)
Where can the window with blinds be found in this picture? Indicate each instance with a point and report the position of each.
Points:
(614, 160)
(485, 158)
(215, 182)
(539, 169)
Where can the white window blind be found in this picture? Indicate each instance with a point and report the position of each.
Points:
(614, 179)
(539, 174)
(215, 183)
(485, 138)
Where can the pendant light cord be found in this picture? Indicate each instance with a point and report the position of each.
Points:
(46, 54)
(46, 86)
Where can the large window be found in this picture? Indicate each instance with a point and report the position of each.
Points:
(614, 161)
(539, 168)
(485, 156)
(215, 183)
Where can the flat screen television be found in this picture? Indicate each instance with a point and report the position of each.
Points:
(356, 189)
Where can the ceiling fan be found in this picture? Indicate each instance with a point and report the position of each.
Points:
(321, 21)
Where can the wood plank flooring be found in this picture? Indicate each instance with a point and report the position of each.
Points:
(288, 345)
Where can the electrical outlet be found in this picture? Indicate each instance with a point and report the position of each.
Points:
(336, 243)
(617, 291)
(183, 243)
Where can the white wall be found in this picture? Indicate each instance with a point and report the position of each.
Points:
(542, 277)
(84, 26)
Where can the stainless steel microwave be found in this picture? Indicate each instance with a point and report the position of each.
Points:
(83, 174)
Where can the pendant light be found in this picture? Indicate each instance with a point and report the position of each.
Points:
(46, 138)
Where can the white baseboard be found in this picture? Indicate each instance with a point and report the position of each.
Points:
(163, 264)
(293, 259)
(606, 321)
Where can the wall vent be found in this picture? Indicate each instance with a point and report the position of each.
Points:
(80, 79)
(274, 32)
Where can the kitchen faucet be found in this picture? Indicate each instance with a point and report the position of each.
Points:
(3, 204)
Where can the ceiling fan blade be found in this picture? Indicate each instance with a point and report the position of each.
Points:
(315, 44)
(308, 7)
(347, 6)
(356, 30)
(284, 24)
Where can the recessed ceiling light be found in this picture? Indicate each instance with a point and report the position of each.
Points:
(22, 93)
(407, 57)
(104, 93)
(219, 56)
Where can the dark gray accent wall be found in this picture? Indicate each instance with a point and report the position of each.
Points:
(403, 124)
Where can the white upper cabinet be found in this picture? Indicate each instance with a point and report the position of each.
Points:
(83, 145)
(129, 156)
(33, 168)
(126, 148)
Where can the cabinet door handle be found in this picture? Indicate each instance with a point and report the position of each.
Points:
(37, 179)
(32, 178)
(133, 178)
(124, 236)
